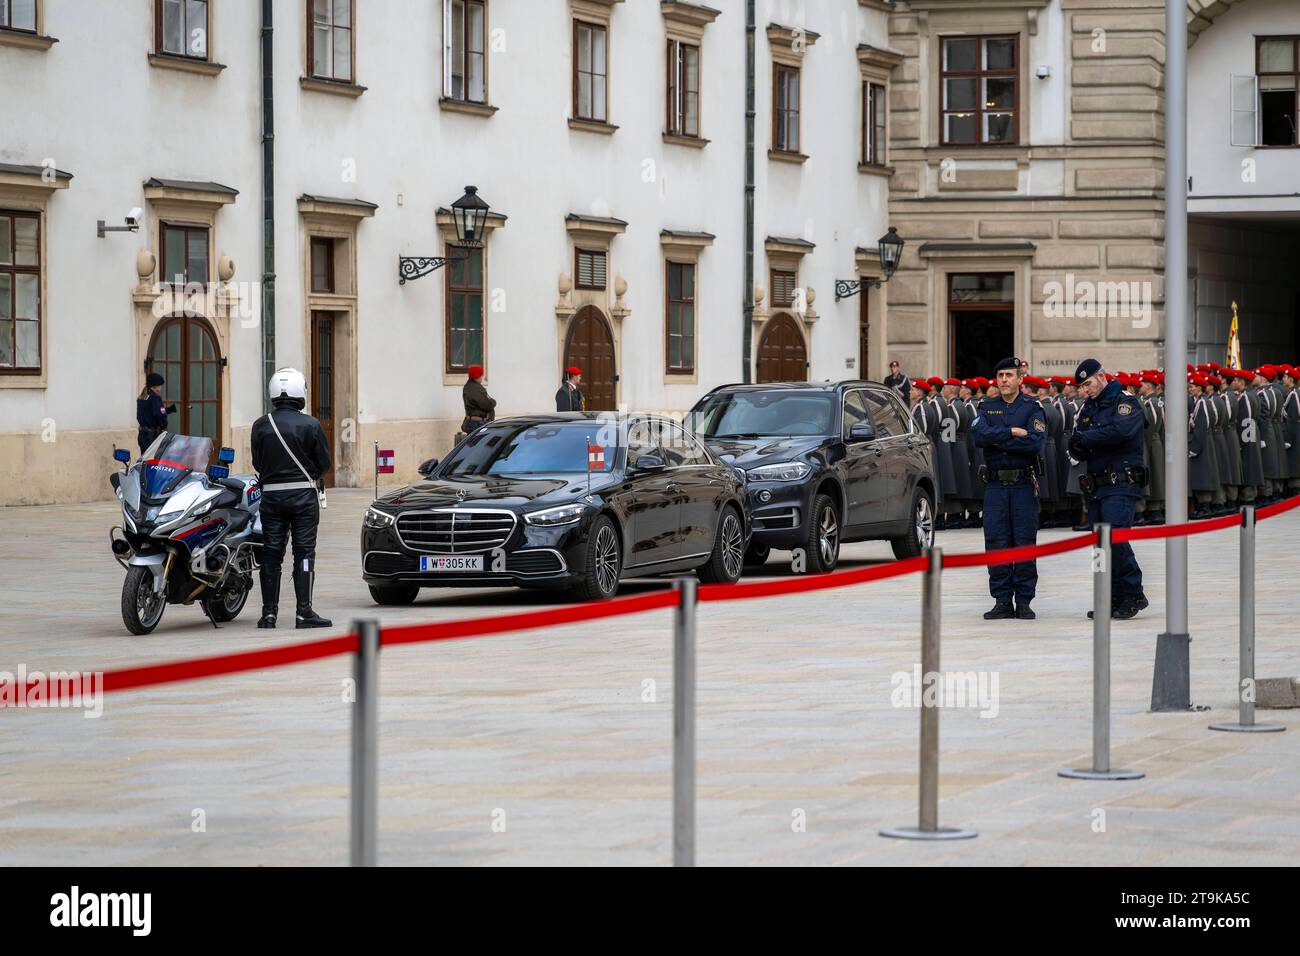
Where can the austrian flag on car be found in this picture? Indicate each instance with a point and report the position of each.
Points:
(595, 457)
(385, 461)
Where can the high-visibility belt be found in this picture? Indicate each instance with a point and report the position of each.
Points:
(291, 486)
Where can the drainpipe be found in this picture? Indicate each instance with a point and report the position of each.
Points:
(747, 332)
(268, 202)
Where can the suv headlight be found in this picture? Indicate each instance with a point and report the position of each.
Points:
(549, 517)
(781, 471)
(377, 519)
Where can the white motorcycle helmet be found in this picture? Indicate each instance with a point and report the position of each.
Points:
(288, 383)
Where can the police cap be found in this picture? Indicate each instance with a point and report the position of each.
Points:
(1086, 370)
(1011, 362)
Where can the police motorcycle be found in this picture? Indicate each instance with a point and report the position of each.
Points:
(189, 532)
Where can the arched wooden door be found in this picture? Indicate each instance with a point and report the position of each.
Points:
(590, 346)
(184, 352)
(782, 356)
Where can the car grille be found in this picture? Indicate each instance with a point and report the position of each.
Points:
(776, 519)
(535, 562)
(455, 531)
(385, 562)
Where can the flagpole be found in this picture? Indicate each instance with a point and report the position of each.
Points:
(588, 466)
(376, 471)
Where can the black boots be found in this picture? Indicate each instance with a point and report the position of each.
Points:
(1000, 611)
(305, 616)
(270, 598)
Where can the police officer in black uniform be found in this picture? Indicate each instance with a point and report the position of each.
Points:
(1108, 439)
(290, 454)
(150, 413)
(1011, 429)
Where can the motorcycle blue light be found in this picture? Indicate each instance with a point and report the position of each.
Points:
(226, 455)
(122, 454)
(218, 471)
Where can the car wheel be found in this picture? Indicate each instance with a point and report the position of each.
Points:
(604, 564)
(394, 595)
(756, 554)
(822, 545)
(920, 528)
(727, 560)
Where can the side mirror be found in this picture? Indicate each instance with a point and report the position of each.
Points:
(650, 463)
(426, 469)
(123, 455)
(226, 456)
(862, 431)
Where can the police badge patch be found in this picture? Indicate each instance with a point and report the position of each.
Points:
(1125, 408)
(1039, 426)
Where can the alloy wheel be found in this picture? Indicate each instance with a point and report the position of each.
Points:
(733, 545)
(148, 605)
(924, 522)
(607, 559)
(828, 536)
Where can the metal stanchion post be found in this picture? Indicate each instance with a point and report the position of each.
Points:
(1246, 632)
(365, 744)
(927, 827)
(1101, 592)
(684, 722)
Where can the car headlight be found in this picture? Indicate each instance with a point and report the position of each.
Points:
(549, 517)
(781, 471)
(377, 519)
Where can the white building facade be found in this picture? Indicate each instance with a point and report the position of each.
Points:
(609, 138)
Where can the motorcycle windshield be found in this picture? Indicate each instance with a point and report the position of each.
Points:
(171, 457)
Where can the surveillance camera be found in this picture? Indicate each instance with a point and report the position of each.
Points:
(1043, 72)
(133, 217)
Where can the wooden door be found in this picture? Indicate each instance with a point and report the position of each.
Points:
(184, 352)
(590, 346)
(322, 387)
(864, 333)
(782, 356)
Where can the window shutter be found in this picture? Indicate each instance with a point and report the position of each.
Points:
(783, 288)
(591, 269)
(1245, 110)
(446, 47)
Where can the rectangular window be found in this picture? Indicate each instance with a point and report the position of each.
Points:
(18, 15)
(180, 28)
(683, 88)
(20, 291)
(589, 270)
(322, 265)
(785, 109)
(329, 39)
(873, 124)
(783, 286)
(680, 317)
(979, 80)
(464, 308)
(590, 71)
(184, 254)
(466, 50)
(1278, 68)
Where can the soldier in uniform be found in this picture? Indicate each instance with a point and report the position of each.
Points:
(966, 411)
(1278, 390)
(1155, 449)
(1203, 465)
(927, 423)
(1252, 456)
(1226, 405)
(1291, 430)
(1268, 444)
(1108, 436)
(942, 439)
(1011, 429)
(1049, 488)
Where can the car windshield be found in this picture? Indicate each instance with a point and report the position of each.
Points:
(550, 448)
(762, 414)
(185, 450)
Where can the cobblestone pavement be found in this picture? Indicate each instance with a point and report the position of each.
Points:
(563, 737)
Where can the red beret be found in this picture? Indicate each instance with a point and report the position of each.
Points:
(952, 381)
(1215, 381)
(921, 383)
(982, 382)
(573, 370)
(934, 380)
(476, 371)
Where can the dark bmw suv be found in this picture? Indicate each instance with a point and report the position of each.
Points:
(824, 463)
(575, 500)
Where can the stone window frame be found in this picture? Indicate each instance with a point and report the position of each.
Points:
(205, 65)
(787, 47)
(597, 13)
(875, 68)
(464, 104)
(684, 25)
(683, 247)
(29, 39)
(445, 221)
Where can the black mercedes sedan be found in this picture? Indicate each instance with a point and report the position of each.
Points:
(573, 500)
(824, 463)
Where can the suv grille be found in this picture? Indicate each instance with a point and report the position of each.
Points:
(453, 531)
